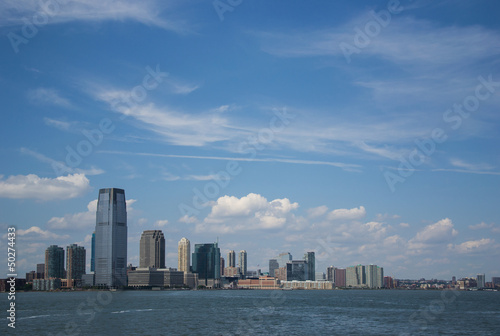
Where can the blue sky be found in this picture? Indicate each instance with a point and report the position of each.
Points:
(367, 132)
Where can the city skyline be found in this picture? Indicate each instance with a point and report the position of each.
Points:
(367, 131)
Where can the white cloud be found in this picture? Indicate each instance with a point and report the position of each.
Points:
(431, 237)
(457, 44)
(344, 166)
(48, 96)
(347, 214)
(146, 12)
(318, 211)
(188, 220)
(481, 225)
(61, 166)
(32, 186)
(473, 246)
(252, 212)
(80, 220)
(62, 125)
(180, 87)
(161, 223)
(36, 233)
(209, 177)
(442, 231)
(178, 128)
(471, 166)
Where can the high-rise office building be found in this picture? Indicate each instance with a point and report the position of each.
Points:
(152, 249)
(231, 259)
(330, 274)
(284, 258)
(40, 271)
(75, 261)
(243, 262)
(340, 277)
(311, 265)
(273, 265)
(54, 262)
(111, 238)
(206, 263)
(481, 281)
(495, 281)
(184, 255)
(92, 253)
(380, 277)
(371, 276)
(222, 266)
(356, 276)
(297, 270)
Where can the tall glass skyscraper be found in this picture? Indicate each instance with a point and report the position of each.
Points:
(309, 257)
(152, 249)
(206, 262)
(54, 262)
(231, 259)
(284, 258)
(111, 238)
(243, 263)
(92, 253)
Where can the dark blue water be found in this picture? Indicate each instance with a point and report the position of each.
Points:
(352, 312)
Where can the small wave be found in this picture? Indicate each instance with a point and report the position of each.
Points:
(121, 312)
(31, 317)
(140, 310)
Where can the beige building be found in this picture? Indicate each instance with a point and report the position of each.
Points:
(263, 282)
(307, 284)
(232, 272)
(184, 264)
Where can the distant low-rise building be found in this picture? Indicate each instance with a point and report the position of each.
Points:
(88, 280)
(152, 277)
(263, 282)
(232, 272)
(190, 279)
(5, 285)
(308, 284)
(46, 284)
(145, 277)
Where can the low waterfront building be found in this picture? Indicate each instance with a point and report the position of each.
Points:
(46, 284)
(145, 277)
(307, 284)
(88, 280)
(190, 279)
(172, 277)
(152, 277)
(263, 282)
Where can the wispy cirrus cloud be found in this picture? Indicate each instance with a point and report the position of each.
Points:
(346, 166)
(48, 96)
(471, 166)
(457, 44)
(60, 166)
(149, 12)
